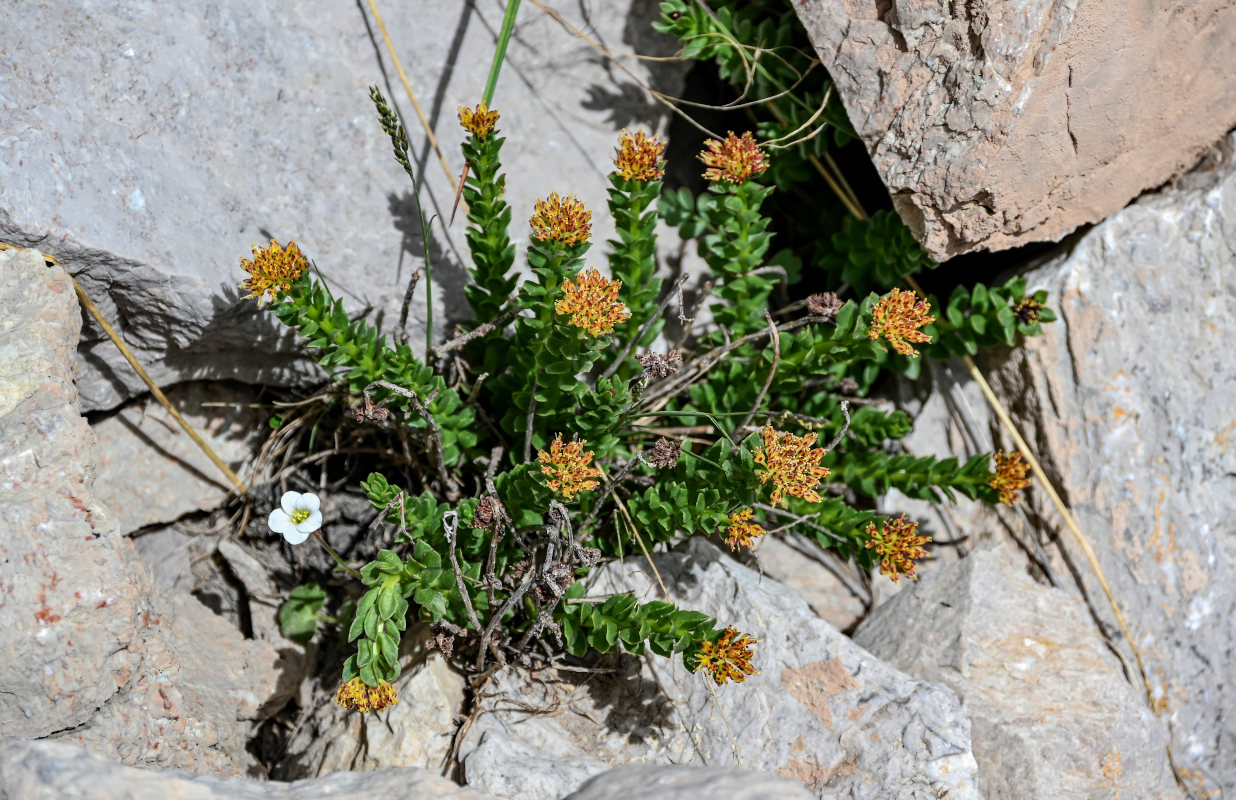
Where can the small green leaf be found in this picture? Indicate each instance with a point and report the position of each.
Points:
(298, 616)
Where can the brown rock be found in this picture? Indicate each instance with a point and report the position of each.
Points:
(995, 124)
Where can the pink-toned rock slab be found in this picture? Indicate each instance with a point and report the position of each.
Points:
(994, 124)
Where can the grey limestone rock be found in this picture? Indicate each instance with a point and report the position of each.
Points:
(995, 123)
(1128, 401)
(90, 653)
(1052, 713)
(148, 146)
(31, 770)
(821, 711)
(687, 783)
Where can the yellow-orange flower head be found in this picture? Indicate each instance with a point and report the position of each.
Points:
(792, 464)
(561, 219)
(592, 302)
(567, 466)
(356, 695)
(728, 658)
(639, 157)
(1010, 476)
(479, 121)
(898, 317)
(742, 532)
(273, 269)
(734, 160)
(897, 543)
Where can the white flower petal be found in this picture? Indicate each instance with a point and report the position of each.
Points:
(310, 502)
(290, 502)
(280, 521)
(312, 523)
(296, 536)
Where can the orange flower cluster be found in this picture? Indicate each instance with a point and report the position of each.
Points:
(1009, 477)
(356, 695)
(727, 659)
(567, 465)
(897, 543)
(639, 157)
(561, 219)
(792, 464)
(735, 160)
(273, 269)
(592, 302)
(478, 121)
(898, 317)
(742, 532)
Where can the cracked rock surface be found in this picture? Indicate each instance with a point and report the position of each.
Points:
(994, 124)
(822, 711)
(90, 654)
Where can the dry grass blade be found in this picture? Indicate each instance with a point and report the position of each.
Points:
(241, 487)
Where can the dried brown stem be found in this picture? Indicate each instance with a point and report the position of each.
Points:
(433, 434)
(675, 290)
(407, 303)
(480, 330)
(772, 370)
(450, 526)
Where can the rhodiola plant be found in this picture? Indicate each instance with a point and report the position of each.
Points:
(562, 428)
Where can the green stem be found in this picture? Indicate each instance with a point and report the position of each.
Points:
(504, 38)
(342, 564)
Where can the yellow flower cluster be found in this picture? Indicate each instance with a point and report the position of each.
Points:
(898, 317)
(735, 160)
(742, 532)
(356, 695)
(592, 302)
(561, 219)
(728, 658)
(1009, 477)
(639, 157)
(897, 543)
(273, 269)
(478, 121)
(792, 464)
(567, 465)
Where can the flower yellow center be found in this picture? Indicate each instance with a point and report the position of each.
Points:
(300, 515)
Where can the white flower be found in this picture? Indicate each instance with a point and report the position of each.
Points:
(299, 516)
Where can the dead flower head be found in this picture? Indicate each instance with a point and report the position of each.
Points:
(742, 532)
(898, 317)
(592, 302)
(897, 543)
(657, 366)
(665, 453)
(442, 640)
(356, 695)
(734, 160)
(792, 464)
(479, 121)
(490, 515)
(567, 466)
(273, 269)
(639, 157)
(728, 658)
(824, 304)
(561, 219)
(1009, 477)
